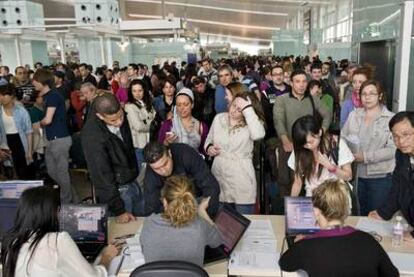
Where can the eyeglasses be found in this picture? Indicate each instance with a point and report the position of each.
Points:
(403, 136)
(369, 95)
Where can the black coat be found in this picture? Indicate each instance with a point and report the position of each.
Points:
(401, 195)
(187, 162)
(111, 161)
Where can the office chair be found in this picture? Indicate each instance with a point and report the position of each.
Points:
(169, 269)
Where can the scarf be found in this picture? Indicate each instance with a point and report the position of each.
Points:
(356, 100)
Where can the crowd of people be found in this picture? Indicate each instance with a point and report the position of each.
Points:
(324, 129)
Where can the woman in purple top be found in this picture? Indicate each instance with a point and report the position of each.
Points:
(336, 250)
(183, 127)
(360, 75)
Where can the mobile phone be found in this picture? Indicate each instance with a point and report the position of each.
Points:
(169, 133)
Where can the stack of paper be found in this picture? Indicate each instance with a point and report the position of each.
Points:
(131, 257)
(257, 250)
(403, 261)
(369, 225)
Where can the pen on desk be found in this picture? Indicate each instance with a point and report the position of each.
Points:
(125, 236)
(120, 264)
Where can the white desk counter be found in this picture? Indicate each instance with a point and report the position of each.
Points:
(278, 223)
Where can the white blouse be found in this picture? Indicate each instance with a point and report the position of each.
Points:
(55, 256)
(8, 123)
(344, 157)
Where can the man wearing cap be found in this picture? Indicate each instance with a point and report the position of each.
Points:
(61, 89)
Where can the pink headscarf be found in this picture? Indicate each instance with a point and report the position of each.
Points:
(355, 99)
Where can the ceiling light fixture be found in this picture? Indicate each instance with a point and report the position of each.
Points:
(220, 23)
(210, 7)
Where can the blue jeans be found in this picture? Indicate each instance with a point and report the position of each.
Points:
(133, 198)
(242, 208)
(139, 154)
(372, 192)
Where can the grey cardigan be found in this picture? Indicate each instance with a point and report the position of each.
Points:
(380, 151)
(162, 241)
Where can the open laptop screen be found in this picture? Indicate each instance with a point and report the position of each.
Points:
(299, 216)
(8, 209)
(84, 223)
(231, 226)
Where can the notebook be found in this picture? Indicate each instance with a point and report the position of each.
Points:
(299, 216)
(231, 225)
(87, 225)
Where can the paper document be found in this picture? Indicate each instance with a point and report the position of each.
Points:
(383, 228)
(131, 257)
(249, 261)
(259, 229)
(258, 245)
(403, 261)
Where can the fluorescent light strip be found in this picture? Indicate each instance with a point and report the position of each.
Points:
(208, 22)
(209, 7)
(299, 2)
(236, 37)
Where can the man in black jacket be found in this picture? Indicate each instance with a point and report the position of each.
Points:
(401, 196)
(178, 159)
(203, 101)
(110, 156)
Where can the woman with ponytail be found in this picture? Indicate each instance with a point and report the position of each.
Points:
(183, 229)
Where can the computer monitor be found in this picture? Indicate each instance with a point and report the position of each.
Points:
(13, 189)
(8, 209)
(299, 216)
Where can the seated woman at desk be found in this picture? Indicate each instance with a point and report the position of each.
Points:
(34, 247)
(353, 252)
(183, 230)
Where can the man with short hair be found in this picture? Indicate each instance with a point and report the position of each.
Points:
(86, 75)
(287, 109)
(239, 73)
(110, 156)
(5, 73)
(132, 71)
(58, 138)
(61, 88)
(177, 159)
(401, 195)
(225, 74)
(24, 87)
(203, 101)
(208, 72)
(277, 85)
(88, 93)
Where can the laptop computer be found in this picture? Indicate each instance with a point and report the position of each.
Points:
(8, 209)
(10, 192)
(299, 216)
(231, 225)
(87, 225)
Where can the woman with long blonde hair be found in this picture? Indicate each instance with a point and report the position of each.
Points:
(337, 249)
(183, 229)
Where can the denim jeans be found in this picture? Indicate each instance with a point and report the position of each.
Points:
(133, 198)
(139, 154)
(242, 208)
(372, 192)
